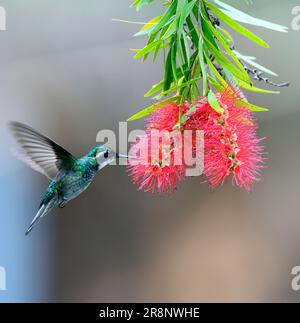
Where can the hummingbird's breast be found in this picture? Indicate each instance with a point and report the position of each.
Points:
(77, 182)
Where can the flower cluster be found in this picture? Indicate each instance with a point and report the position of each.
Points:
(231, 147)
(154, 168)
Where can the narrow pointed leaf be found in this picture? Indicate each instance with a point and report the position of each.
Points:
(224, 61)
(213, 101)
(243, 17)
(251, 61)
(147, 49)
(236, 26)
(171, 30)
(254, 89)
(143, 113)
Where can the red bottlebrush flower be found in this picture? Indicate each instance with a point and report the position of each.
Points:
(159, 166)
(165, 118)
(231, 146)
(154, 168)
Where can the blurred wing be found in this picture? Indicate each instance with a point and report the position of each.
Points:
(41, 153)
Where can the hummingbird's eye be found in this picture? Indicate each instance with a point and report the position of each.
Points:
(106, 154)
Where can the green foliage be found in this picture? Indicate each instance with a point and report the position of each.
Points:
(213, 101)
(191, 37)
(139, 4)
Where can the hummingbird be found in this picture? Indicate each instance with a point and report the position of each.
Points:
(69, 176)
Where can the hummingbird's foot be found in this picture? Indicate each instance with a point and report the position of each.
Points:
(62, 205)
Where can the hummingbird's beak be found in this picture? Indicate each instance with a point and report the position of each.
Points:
(121, 156)
(124, 156)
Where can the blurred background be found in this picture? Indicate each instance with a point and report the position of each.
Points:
(66, 70)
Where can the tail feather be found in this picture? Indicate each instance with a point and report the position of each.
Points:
(43, 211)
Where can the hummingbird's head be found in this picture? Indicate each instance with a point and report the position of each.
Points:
(104, 155)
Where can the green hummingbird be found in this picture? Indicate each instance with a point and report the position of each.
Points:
(69, 176)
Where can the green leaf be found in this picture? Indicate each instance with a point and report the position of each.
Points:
(186, 116)
(236, 26)
(253, 88)
(184, 10)
(202, 65)
(239, 83)
(158, 47)
(173, 60)
(194, 34)
(135, 3)
(213, 101)
(205, 28)
(150, 41)
(223, 42)
(148, 26)
(139, 4)
(147, 49)
(155, 88)
(215, 72)
(255, 108)
(185, 49)
(143, 113)
(168, 72)
(251, 61)
(129, 21)
(226, 33)
(158, 87)
(215, 84)
(165, 18)
(251, 107)
(150, 31)
(181, 4)
(223, 60)
(240, 16)
(171, 30)
(151, 23)
(176, 88)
